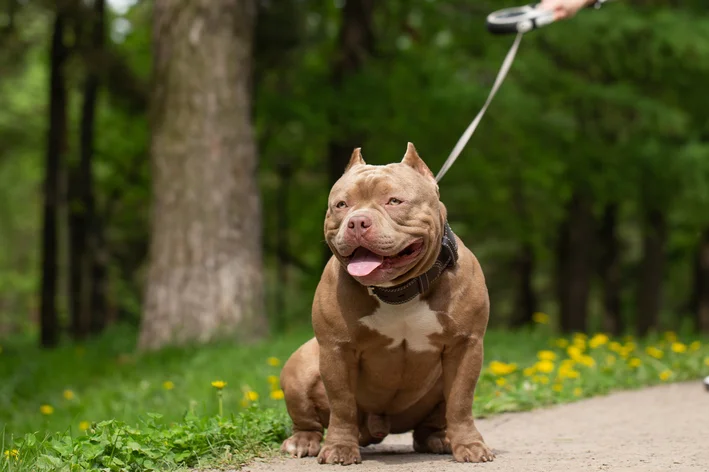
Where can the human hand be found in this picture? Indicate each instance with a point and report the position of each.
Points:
(564, 8)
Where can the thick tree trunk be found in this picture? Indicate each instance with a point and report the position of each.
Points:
(205, 275)
(610, 271)
(355, 43)
(701, 284)
(526, 300)
(575, 264)
(56, 146)
(652, 269)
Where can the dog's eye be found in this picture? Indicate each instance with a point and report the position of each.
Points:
(393, 201)
(341, 205)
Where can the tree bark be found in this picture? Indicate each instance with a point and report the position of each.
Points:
(652, 269)
(610, 271)
(701, 284)
(574, 264)
(56, 147)
(205, 275)
(526, 300)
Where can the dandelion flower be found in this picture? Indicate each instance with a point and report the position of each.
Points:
(169, 385)
(544, 367)
(635, 362)
(84, 425)
(219, 384)
(546, 355)
(541, 379)
(46, 409)
(251, 395)
(706, 361)
(273, 380)
(665, 375)
(574, 352)
(540, 318)
(68, 394)
(501, 382)
(277, 394)
(679, 347)
(500, 368)
(654, 352)
(557, 387)
(598, 340)
(588, 361)
(694, 346)
(273, 361)
(12, 453)
(615, 346)
(670, 336)
(529, 371)
(578, 391)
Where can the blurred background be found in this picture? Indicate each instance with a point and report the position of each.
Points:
(165, 166)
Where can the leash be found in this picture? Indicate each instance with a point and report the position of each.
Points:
(517, 20)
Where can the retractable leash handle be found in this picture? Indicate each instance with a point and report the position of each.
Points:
(518, 19)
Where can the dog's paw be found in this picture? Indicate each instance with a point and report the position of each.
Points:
(474, 452)
(344, 454)
(302, 444)
(434, 443)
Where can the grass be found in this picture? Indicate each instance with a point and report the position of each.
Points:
(100, 406)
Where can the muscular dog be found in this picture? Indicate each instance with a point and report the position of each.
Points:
(399, 318)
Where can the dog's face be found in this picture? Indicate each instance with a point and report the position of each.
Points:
(385, 223)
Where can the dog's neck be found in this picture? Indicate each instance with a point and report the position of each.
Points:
(407, 291)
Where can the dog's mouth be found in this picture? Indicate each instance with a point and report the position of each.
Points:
(364, 261)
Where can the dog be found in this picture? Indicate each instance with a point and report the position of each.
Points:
(399, 318)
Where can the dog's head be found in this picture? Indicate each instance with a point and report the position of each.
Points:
(385, 223)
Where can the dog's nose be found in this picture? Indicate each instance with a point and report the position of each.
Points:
(359, 224)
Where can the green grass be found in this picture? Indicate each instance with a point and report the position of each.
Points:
(115, 410)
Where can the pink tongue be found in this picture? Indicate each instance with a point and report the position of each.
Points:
(363, 262)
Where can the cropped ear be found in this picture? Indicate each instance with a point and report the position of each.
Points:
(355, 159)
(412, 159)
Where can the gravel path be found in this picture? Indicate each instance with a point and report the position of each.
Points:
(658, 429)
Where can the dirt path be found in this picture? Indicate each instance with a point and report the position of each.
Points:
(659, 429)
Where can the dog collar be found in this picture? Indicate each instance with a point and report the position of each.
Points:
(447, 257)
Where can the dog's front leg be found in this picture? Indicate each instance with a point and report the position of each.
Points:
(462, 363)
(338, 369)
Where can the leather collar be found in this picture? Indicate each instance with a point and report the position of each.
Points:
(407, 291)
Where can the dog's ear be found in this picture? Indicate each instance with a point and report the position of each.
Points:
(355, 159)
(412, 159)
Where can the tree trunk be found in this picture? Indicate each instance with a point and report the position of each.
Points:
(652, 268)
(574, 264)
(526, 300)
(610, 271)
(205, 275)
(701, 284)
(355, 43)
(56, 146)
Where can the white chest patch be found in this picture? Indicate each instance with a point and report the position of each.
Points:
(412, 322)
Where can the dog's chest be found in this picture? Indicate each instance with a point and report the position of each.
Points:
(413, 322)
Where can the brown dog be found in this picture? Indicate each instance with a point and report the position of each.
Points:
(399, 318)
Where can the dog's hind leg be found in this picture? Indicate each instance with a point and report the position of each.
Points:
(430, 434)
(306, 401)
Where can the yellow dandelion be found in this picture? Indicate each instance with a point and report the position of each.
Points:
(46, 409)
(251, 395)
(273, 361)
(574, 352)
(68, 394)
(169, 385)
(244, 402)
(665, 375)
(12, 453)
(277, 394)
(540, 379)
(218, 384)
(635, 362)
(670, 336)
(273, 380)
(500, 368)
(694, 346)
(84, 425)
(598, 340)
(562, 343)
(501, 382)
(529, 371)
(566, 371)
(546, 355)
(615, 346)
(654, 352)
(557, 387)
(545, 367)
(678, 347)
(588, 361)
(578, 391)
(706, 361)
